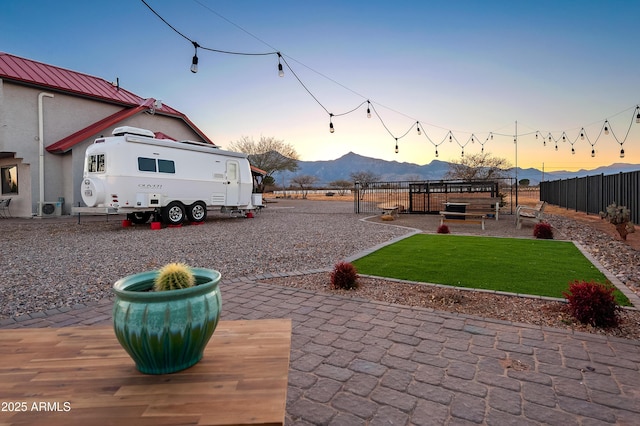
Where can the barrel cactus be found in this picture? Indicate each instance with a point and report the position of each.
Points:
(174, 276)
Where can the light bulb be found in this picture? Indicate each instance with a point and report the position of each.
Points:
(194, 64)
(573, 151)
(582, 136)
(368, 113)
(436, 153)
(622, 153)
(638, 118)
(419, 132)
(280, 70)
(606, 130)
(462, 155)
(331, 127)
(593, 152)
(396, 148)
(556, 147)
(450, 140)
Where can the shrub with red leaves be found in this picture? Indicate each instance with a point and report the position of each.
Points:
(344, 276)
(593, 303)
(543, 231)
(443, 229)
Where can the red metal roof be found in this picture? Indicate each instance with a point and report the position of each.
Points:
(36, 73)
(33, 73)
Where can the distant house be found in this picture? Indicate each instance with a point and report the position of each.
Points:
(48, 117)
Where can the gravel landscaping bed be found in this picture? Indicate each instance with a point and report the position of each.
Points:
(50, 263)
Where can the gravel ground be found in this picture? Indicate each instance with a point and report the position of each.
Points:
(49, 263)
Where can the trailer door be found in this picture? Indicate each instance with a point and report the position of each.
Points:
(233, 189)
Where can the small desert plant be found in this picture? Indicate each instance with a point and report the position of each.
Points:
(344, 276)
(593, 303)
(443, 229)
(174, 276)
(620, 217)
(543, 231)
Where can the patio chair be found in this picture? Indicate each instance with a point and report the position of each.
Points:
(4, 208)
(530, 214)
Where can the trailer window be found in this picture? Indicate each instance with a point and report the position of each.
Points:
(166, 166)
(95, 163)
(146, 164)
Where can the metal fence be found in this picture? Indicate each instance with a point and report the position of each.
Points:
(422, 196)
(592, 194)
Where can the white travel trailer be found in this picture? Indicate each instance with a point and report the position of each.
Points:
(134, 173)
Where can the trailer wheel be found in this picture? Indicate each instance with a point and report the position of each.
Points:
(197, 212)
(174, 213)
(139, 218)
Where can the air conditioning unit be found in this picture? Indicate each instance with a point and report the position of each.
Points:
(51, 208)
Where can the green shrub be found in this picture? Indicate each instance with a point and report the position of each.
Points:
(174, 276)
(344, 276)
(593, 303)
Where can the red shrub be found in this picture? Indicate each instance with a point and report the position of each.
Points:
(543, 231)
(593, 303)
(443, 229)
(344, 276)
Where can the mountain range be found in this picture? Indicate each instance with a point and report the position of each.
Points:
(341, 168)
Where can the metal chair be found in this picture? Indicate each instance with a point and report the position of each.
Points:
(4, 208)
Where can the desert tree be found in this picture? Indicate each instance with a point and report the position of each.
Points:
(269, 154)
(481, 166)
(341, 185)
(305, 182)
(364, 178)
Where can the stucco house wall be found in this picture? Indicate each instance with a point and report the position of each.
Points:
(63, 115)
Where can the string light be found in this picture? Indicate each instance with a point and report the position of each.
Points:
(194, 61)
(281, 60)
(280, 70)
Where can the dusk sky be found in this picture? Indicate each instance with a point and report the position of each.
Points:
(469, 67)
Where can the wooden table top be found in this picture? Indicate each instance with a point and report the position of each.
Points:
(81, 375)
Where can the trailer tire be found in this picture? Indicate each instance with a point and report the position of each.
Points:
(139, 218)
(173, 213)
(197, 212)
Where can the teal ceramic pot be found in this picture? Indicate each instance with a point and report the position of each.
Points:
(166, 331)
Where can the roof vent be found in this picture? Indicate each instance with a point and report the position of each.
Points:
(123, 130)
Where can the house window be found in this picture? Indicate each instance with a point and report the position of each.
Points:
(95, 163)
(166, 166)
(146, 164)
(9, 176)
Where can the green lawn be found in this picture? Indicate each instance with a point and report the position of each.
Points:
(524, 266)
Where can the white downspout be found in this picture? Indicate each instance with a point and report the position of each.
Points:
(41, 142)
